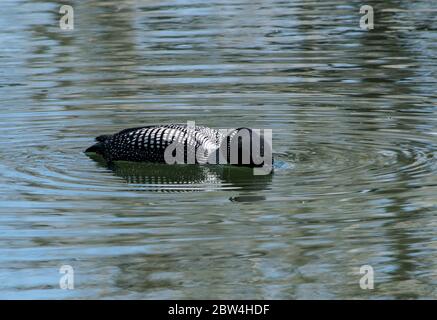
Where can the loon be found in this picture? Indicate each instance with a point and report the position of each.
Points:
(202, 144)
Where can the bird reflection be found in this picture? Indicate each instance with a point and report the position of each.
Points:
(185, 178)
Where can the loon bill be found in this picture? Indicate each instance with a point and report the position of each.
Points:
(180, 143)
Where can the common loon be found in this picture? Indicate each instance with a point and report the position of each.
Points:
(199, 144)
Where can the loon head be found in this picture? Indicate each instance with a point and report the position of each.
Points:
(248, 148)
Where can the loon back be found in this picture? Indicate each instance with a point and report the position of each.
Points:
(149, 144)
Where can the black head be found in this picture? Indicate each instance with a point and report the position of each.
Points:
(248, 147)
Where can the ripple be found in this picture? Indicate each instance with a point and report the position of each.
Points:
(353, 117)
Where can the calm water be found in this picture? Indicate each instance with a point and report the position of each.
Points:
(354, 119)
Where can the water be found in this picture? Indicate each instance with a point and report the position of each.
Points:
(354, 120)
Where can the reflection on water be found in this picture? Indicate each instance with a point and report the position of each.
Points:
(174, 178)
(353, 115)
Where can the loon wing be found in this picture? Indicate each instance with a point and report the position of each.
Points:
(148, 143)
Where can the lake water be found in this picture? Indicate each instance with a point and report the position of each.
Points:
(354, 120)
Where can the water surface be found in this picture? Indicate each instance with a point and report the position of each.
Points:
(353, 114)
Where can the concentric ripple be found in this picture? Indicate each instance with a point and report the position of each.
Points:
(354, 121)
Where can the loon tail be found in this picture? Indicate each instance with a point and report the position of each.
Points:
(96, 148)
(99, 147)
